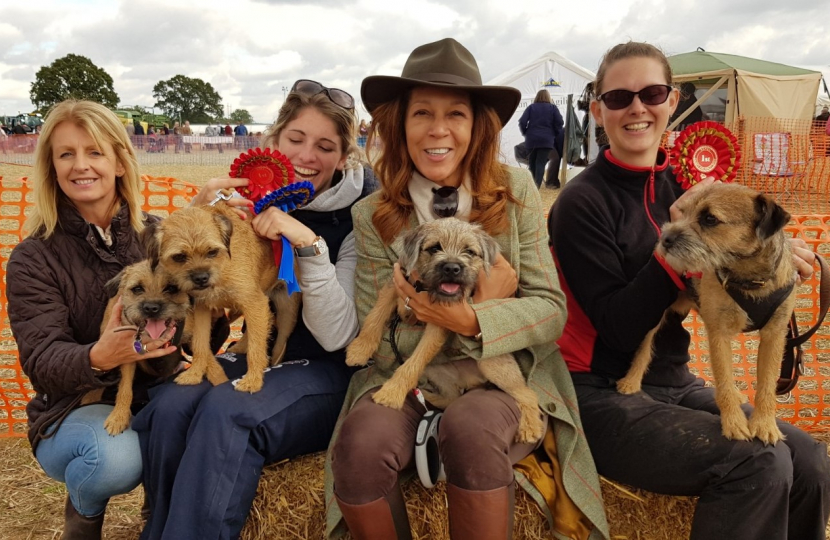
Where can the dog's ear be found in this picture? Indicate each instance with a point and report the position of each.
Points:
(150, 239)
(771, 217)
(413, 239)
(489, 249)
(111, 286)
(225, 230)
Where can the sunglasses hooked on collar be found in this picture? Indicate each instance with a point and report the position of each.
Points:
(336, 95)
(656, 94)
(444, 201)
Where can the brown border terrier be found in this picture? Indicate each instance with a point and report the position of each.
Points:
(447, 255)
(157, 307)
(733, 238)
(223, 264)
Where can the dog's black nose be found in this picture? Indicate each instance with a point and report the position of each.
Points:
(451, 269)
(200, 279)
(668, 240)
(150, 309)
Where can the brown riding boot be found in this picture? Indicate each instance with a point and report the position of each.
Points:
(481, 515)
(78, 527)
(381, 519)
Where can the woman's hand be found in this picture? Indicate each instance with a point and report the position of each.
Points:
(501, 283)
(676, 209)
(803, 258)
(458, 317)
(273, 223)
(208, 193)
(116, 345)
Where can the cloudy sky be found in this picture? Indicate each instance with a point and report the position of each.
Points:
(250, 49)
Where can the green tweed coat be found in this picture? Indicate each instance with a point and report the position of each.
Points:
(525, 326)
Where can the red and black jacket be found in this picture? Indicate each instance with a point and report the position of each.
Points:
(603, 229)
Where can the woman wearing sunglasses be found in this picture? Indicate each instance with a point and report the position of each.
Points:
(204, 447)
(440, 127)
(667, 438)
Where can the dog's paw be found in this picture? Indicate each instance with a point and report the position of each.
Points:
(249, 383)
(389, 397)
(628, 386)
(531, 427)
(117, 422)
(765, 429)
(357, 354)
(735, 426)
(191, 376)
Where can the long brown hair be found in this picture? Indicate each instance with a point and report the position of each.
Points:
(393, 167)
(102, 126)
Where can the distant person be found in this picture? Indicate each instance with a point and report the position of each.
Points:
(543, 129)
(824, 115)
(240, 132)
(21, 129)
(687, 100)
(139, 135)
(187, 132)
(228, 130)
(362, 134)
(177, 135)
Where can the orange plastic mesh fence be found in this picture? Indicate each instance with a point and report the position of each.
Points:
(161, 196)
(787, 158)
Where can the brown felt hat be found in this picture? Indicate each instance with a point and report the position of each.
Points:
(442, 64)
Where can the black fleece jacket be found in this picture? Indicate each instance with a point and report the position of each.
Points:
(603, 229)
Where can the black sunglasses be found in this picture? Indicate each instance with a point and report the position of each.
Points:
(312, 88)
(444, 201)
(656, 94)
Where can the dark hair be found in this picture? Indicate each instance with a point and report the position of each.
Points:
(632, 49)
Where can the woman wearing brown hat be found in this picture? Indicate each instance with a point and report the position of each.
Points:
(439, 126)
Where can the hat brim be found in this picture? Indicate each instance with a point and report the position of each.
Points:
(379, 89)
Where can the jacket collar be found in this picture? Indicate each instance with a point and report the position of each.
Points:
(628, 175)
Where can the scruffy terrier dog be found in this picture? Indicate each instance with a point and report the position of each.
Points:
(733, 236)
(154, 303)
(447, 256)
(223, 264)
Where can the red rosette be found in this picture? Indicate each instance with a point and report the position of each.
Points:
(267, 170)
(705, 149)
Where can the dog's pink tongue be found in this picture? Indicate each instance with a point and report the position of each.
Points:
(155, 328)
(450, 288)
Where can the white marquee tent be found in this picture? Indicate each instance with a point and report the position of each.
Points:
(551, 71)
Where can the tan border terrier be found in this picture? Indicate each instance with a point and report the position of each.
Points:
(153, 303)
(733, 237)
(223, 264)
(447, 255)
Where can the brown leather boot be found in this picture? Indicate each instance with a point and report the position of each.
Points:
(481, 515)
(381, 519)
(78, 527)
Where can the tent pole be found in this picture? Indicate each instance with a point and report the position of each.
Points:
(563, 161)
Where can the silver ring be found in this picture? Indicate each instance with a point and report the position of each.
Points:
(220, 197)
(139, 347)
(406, 304)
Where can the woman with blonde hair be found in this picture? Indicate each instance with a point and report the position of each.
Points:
(204, 447)
(440, 128)
(82, 231)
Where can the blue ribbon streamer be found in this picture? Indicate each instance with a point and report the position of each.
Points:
(286, 272)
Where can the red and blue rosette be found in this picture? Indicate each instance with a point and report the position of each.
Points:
(705, 149)
(271, 183)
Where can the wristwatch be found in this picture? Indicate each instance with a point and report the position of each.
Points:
(317, 247)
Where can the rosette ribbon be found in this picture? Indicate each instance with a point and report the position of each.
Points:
(271, 183)
(705, 149)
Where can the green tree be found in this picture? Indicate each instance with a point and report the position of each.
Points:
(241, 115)
(72, 76)
(188, 99)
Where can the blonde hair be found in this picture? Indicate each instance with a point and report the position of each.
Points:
(102, 126)
(344, 119)
(394, 167)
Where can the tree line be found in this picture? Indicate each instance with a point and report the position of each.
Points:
(76, 76)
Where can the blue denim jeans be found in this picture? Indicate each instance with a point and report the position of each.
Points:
(93, 464)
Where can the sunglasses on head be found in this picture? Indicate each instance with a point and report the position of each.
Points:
(444, 201)
(656, 94)
(312, 88)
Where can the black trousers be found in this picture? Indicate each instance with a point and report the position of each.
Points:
(668, 440)
(537, 160)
